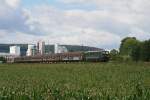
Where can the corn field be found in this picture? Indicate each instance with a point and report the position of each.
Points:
(75, 81)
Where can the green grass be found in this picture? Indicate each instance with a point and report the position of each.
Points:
(90, 81)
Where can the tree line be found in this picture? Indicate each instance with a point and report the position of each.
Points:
(132, 49)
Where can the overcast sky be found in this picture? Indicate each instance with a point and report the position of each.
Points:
(100, 23)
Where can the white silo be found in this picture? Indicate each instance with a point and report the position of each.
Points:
(31, 50)
(15, 50)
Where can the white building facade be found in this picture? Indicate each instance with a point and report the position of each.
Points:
(41, 47)
(15, 50)
(31, 50)
(56, 48)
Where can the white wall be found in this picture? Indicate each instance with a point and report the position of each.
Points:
(15, 50)
(41, 47)
(56, 48)
(30, 51)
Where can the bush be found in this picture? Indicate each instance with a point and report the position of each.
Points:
(2, 59)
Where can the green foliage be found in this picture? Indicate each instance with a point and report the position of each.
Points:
(127, 45)
(145, 50)
(126, 58)
(135, 53)
(89, 81)
(134, 49)
(114, 54)
(2, 59)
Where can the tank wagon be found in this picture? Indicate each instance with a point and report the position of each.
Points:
(91, 56)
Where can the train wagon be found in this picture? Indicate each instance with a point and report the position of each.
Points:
(90, 56)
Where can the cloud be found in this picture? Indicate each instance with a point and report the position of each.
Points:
(8, 7)
(139, 34)
(72, 26)
(117, 5)
(56, 21)
(103, 26)
(13, 18)
(89, 37)
(12, 3)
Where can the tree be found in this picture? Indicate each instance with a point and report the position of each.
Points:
(145, 50)
(127, 44)
(132, 48)
(114, 54)
(135, 53)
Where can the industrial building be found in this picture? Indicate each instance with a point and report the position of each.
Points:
(60, 49)
(13, 53)
(41, 47)
(15, 50)
(31, 51)
(56, 48)
(37, 53)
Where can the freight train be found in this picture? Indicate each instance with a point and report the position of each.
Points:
(89, 56)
